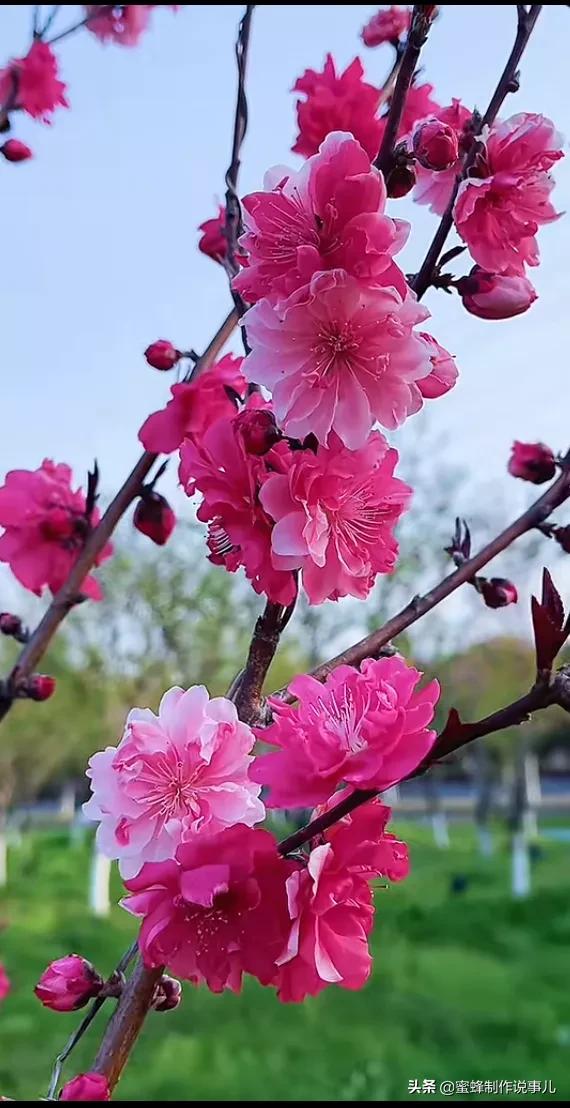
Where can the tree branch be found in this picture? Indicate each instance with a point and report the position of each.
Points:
(506, 84)
(372, 644)
(422, 19)
(125, 1025)
(265, 640)
(68, 595)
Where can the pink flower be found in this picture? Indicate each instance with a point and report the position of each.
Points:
(532, 461)
(338, 355)
(172, 776)
(45, 528)
(229, 478)
(495, 295)
(123, 24)
(337, 103)
(367, 728)
(32, 85)
(335, 512)
(498, 215)
(329, 215)
(213, 242)
(331, 908)
(444, 372)
(5, 984)
(388, 25)
(435, 188)
(86, 1086)
(216, 912)
(195, 405)
(68, 983)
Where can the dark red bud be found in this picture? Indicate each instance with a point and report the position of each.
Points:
(435, 144)
(162, 355)
(532, 461)
(400, 181)
(562, 536)
(258, 430)
(498, 592)
(40, 686)
(9, 624)
(168, 994)
(16, 151)
(154, 517)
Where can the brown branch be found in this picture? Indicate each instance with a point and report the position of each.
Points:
(422, 19)
(507, 83)
(124, 1027)
(70, 592)
(372, 644)
(451, 739)
(246, 694)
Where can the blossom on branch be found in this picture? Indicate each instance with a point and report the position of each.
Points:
(217, 910)
(495, 295)
(195, 406)
(335, 513)
(123, 24)
(337, 102)
(68, 984)
(45, 528)
(433, 187)
(367, 727)
(331, 904)
(444, 372)
(31, 84)
(532, 461)
(172, 777)
(387, 25)
(337, 356)
(86, 1086)
(329, 215)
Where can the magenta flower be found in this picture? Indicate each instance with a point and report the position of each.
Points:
(434, 188)
(367, 728)
(337, 356)
(5, 983)
(32, 85)
(329, 215)
(86, 1086)
(217, 911)
(123, 24)
(68, 983)
(45, 528)
(337, 103)
(335, 513)
(387, 25)
(194, 407)
(499, 214)
(331, 908)
(172, 777)
(230, 478)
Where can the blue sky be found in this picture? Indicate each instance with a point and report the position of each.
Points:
(99, 231)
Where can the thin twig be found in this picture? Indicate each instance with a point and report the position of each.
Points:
(422, 19)
(525, 26)
(370, 646)
(68, 595)
(233, 226)
(102, 9)
(50, 19)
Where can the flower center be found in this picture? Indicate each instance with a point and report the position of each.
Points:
(167, 786)
(335, 346)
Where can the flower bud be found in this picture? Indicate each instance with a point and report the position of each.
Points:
(435, 144)
(400, 180)
(258, 430)
(162, 354)
(40, 686)
(16, 151)
(86, 1086)
(5, 984)
(562, 536)
(532, 461)
(154, 517)
(168, 994)
(68, 983)
(495, 295)
(497, 592)
(9, 624)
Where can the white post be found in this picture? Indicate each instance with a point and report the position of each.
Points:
(3, 857)
(99, 880)
(486, 845)
(440, 829)
(520, 866)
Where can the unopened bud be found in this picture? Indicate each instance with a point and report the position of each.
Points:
(9, 624)
(168, 994)
(498, 592)
(162, 355)
(400, 180)
(435, 144)
(40, 686)
(495, 295)
(16, 151)
(258, 430)
(154, 517)
(68, 984)
(532, 461)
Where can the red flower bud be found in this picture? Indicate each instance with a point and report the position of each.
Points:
(16, 151)
(86, 1086)
(435, 144)
(532, 461)
(162, 354)
(68, 983)
(497, 592)
(41, 687)
(9, 624)
(154, 517)
(562, 536)
(258, 429)
(495, 295)
(400, 181)
(388, 25)
(168, 994)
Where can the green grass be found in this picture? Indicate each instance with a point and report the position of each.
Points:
(465, 987)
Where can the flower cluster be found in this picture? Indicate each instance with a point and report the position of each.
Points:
(45, 527)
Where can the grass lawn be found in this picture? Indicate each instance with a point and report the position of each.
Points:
(469, 986)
